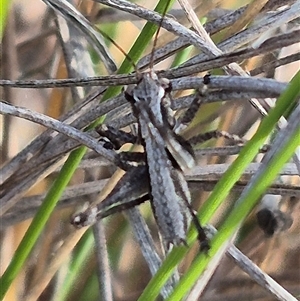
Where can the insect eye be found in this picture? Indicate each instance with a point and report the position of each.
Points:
(165, 84)
(128, 96)
(168, 89)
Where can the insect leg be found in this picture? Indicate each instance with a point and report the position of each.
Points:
(116, 137)
(202, 237)
(190, 113)
(192, 110)
(203, 137)
(130, 191)
(183, 192)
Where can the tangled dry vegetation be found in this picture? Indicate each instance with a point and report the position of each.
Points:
(251, 51)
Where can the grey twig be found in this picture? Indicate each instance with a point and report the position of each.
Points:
(65, 9)
(74, 114)
(103, 268)
(147, 245)
(263, 279)
(203, 177)
(60, 127)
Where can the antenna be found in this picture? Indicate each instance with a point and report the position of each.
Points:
(119, 48)
(157, 33)
(165, 9)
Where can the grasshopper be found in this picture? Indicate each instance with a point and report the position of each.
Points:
(169, 191)
(161, 178)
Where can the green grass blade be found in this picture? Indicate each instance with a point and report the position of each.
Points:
(182, 56)
(40, 220)
(4, 9)
(84, 250)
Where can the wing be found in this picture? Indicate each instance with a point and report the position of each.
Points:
(165, 201)
(159, 141)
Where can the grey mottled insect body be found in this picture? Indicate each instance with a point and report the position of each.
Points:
(160, 144)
